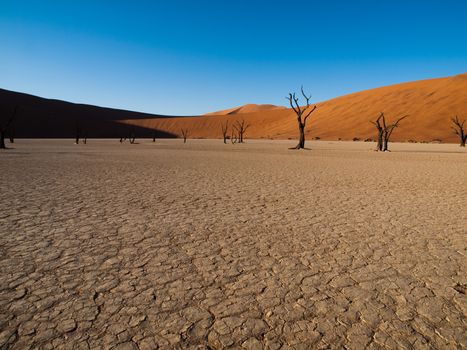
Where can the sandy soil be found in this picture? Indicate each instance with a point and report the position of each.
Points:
(254, 246)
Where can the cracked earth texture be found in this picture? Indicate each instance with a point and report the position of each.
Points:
(205, 245)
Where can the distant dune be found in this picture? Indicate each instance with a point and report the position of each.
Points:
(429, 103)
(248, 108)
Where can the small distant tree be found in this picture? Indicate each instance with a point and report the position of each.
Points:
(233, 138)
(132, 135)
(302, 115)
(458, 128)
(154, 134)
(11, 133)
(77, 133)
(241, 128)
(4, 128)
(224, 128)
(184, 134)
(385, 131)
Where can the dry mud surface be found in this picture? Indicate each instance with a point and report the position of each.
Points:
(205, 245)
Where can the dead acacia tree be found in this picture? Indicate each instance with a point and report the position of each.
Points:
(387, 131)
(184, 134)
(302, 115)
(233, 138)
(132, 135)
(4, 128)
(241, 128)
(379, 127)
(154, 134)
(224, 128)
(458, 128)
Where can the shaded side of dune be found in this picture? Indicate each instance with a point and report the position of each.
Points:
(45, 118)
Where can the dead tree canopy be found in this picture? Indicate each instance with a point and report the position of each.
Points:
(458, 128)
(184, 134)
(4, 128)
(302, 112)
(224, 128)
(385, 131)
(241, 127)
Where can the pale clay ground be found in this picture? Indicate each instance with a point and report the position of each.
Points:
(251, 246)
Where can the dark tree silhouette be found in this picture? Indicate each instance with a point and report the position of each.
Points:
(184, 134)
(379, 127)
(11, 133)
(154, 134)
(387, 131)
(77, 133)
(458, 128)
(132, 135)
(241, 128)
(302, 115)
(4, 128)
(224, 128)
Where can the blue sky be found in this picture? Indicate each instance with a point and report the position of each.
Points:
(191, 57)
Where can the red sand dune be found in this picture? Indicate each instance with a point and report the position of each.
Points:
(429, 103)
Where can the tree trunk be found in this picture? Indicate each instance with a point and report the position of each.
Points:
(379, 145)
(12, 135)
(301, 141)
(463, 140)
(385, 144)
(2, 140)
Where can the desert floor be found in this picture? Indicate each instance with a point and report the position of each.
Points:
(110, 245)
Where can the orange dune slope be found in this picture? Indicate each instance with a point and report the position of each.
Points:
(429, 103)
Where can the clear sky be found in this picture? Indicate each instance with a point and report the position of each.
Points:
(192, 57)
